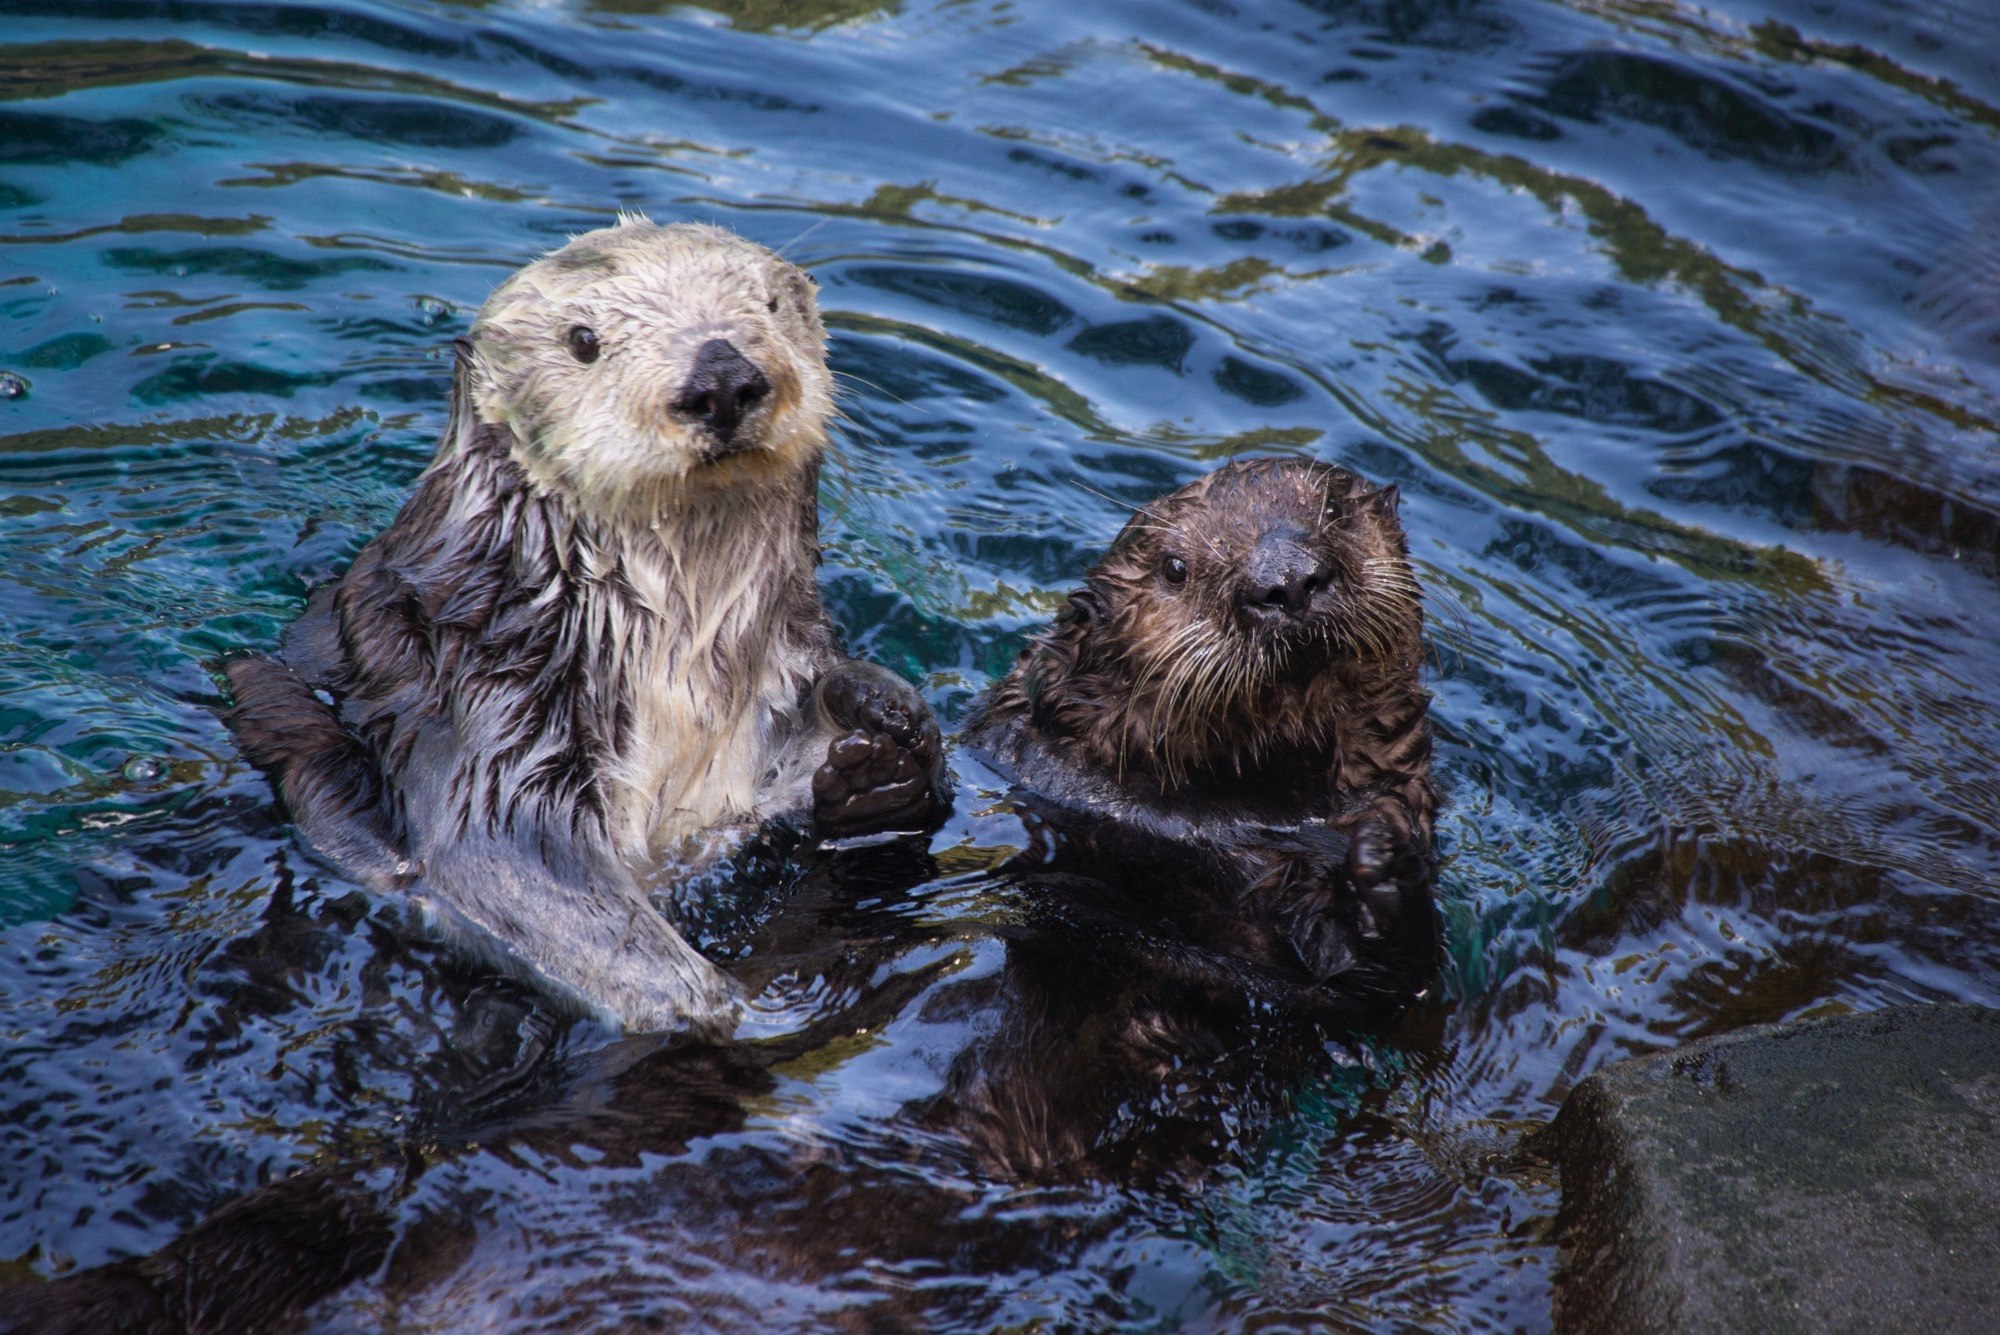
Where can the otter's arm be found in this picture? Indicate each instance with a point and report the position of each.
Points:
(1354, 908)
(884, 768)
(583, 924)
(1351, 908)
(312, 648)
(327, 779)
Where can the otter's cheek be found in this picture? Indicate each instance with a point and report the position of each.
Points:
(795, 444)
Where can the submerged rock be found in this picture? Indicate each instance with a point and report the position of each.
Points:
(1838, 1174)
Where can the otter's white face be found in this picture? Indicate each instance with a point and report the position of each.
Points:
(640, 365)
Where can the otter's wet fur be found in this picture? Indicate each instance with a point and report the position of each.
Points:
(593, 631)
(1233, 698)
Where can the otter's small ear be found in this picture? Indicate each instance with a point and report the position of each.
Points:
(1086, 605)
(463, 422)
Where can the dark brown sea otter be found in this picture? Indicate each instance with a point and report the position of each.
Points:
(593, 632)
(1232, 700)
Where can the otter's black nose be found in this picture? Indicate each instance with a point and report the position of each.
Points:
(722, 387)
(1282, 575)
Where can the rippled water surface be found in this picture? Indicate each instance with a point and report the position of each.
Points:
(1675, 323)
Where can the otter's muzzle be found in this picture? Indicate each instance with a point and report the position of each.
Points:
(1281, 576)
(721, 390)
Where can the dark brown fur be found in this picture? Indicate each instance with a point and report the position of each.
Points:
(1265, 736)
(1339, 709)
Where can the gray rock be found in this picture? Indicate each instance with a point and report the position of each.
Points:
(1822, 1175)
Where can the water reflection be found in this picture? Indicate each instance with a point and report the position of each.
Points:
(1672, 322)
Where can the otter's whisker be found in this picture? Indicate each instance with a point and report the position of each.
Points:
(863, 380)
(1106, 496)
(818, 223)
(1171, 654)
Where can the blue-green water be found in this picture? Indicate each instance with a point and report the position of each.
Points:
(1677, 326)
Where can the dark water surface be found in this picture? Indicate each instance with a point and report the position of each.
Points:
(1676, 324)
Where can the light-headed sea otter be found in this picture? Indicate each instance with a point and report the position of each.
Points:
(593, 631)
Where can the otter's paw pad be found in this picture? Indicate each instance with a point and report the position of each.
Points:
(869, 783)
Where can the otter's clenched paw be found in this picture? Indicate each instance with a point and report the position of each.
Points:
(869, 783)
(1372, 859)
(886, 772)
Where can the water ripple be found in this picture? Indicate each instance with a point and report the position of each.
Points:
(1674, 324)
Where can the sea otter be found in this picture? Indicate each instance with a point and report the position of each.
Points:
(1232, 703)
(593, 631)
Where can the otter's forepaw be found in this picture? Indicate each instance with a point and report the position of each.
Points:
(871, 783)
(887, 771)
(1373, 859)
(1391, 878)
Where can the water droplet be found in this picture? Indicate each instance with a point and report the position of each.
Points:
(143, 769)
(12, 386)
(433, 309)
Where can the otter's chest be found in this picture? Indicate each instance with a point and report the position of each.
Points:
(702, 747)
(712, 689)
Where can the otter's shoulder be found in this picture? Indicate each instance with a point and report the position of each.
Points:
(331, 782)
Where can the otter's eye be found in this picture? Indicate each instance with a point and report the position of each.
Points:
(1174, 570)
(583, 344)
(772, 304)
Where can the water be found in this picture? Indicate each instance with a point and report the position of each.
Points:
(1675, 324)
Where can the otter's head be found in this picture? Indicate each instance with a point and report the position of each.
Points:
(640, 365)
(1238, 618)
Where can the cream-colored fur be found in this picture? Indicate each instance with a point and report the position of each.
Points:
(607, 432)
(593, 630)
(706, 546)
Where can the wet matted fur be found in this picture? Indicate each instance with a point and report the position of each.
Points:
(1231, 704)
(593, 631)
